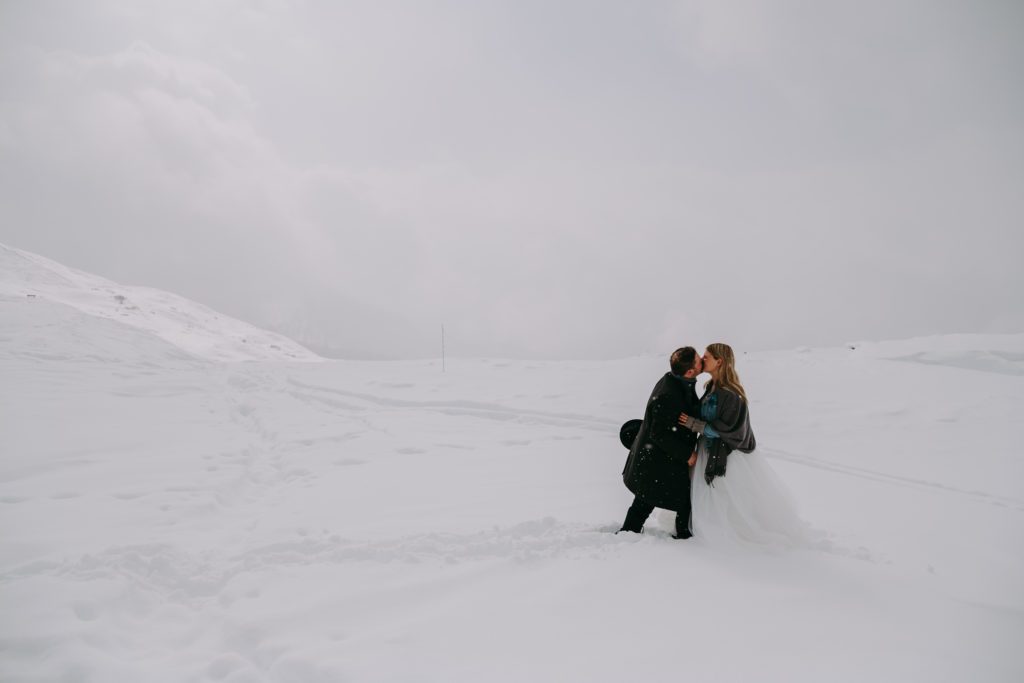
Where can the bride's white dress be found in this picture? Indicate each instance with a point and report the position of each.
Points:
(749, 505)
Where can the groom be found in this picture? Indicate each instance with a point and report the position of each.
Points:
(657, 471)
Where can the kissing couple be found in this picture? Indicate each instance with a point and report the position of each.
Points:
(695, 456)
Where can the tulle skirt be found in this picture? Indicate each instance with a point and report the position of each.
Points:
(750, 505)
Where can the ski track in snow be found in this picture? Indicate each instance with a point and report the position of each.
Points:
(487, 411)
(872, 475)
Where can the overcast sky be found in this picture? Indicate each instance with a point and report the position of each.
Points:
(556, 179)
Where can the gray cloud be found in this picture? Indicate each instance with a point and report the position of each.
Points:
(561, 180)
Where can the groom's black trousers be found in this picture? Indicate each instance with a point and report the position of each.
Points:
(640, 510)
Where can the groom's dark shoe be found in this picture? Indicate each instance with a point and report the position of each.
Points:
(682, 527)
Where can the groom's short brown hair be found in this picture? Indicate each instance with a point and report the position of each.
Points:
(683, 359)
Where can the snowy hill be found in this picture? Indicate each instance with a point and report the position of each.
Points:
(175, 517)
(27, 278)
(1001, 354)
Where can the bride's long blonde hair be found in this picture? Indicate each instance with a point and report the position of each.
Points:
(727, 377)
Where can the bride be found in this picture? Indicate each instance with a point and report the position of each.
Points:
(736, 496)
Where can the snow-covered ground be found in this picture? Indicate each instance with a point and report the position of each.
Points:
(169, 513)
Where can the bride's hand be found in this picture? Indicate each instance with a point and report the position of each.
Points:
(683, 417)
(692, 461)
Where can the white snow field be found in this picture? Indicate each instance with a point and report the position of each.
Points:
(184, 498)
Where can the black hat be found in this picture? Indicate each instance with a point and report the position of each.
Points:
(628, 432)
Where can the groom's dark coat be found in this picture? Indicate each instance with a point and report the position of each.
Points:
(656, 468)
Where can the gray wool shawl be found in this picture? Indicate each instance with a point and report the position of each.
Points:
(732, 421)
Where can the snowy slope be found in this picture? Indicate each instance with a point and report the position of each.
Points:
(183, 324)
(172, 517)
